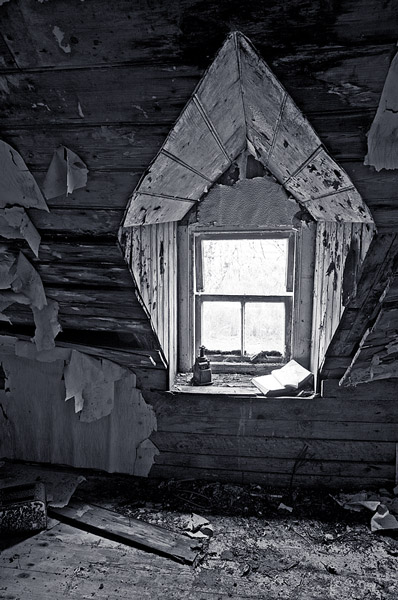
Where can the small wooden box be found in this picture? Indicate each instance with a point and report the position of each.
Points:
(23, 508)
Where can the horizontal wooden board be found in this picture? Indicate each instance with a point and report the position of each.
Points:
(274, 465)
(175, 31)
(80, 222)
(360, 404)
(282, 480)
(76, 321)
(94, 276)
(330, 429)
(92, 252)
(102, 147)
(247, 446)
(92, 301)
(136, 93)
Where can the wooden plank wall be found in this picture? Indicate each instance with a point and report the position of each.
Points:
(340, 251)
(131, 69)
(151, 251)
(350, 436)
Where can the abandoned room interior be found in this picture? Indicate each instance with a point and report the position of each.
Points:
(198, 299)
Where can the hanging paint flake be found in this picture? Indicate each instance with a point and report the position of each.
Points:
(66, 173)
(17, 184)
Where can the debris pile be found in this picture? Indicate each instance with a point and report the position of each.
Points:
(383, 504)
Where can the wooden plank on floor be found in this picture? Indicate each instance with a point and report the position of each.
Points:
(65, 561)
(129, 531)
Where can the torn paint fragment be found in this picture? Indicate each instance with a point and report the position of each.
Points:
(66, 173)
(47, 325)
(28, 282)
(383, 520)
(30, 351)
(59, 36)
(15, 224)
(17, 184)
(7, 275)
(98, 401)
(383, 133)
(146, 452)
(80, 110)
(7, 299)
(90, 382)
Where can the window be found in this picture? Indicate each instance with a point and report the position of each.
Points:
(244, 295)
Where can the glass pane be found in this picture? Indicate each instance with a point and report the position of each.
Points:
(221, 323)
(246, 266)
(264, 327)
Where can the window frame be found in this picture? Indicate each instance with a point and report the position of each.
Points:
(285, 298)
(304, 270)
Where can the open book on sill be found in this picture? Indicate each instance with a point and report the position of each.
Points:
(287, 380)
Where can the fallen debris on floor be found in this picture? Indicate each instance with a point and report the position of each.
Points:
(383, 503)
(23, 508)
(128, 531)
(60, 485)
(198, 527)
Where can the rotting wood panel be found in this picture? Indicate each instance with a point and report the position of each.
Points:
(361, 311)
(340, 251)
(376, 357)
(151, 252)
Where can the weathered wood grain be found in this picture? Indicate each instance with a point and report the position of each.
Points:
(349, 406)
(157, 95)
(132, 532)
(77, 221)
(173, 30)
(274, 465)
(247, 446)
(282, 480)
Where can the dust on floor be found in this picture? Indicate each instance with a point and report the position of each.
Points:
(259, 548)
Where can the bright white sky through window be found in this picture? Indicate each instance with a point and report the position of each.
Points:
(243, 267)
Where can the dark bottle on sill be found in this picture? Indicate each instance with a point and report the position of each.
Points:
(202, 369)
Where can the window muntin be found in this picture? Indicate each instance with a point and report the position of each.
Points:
(244, 293)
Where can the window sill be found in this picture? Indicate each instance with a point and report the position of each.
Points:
(240, 392)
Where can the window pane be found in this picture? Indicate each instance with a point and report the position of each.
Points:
(221, 326)
(264, 327)
(246, 266)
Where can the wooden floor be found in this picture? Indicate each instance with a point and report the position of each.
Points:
(246, 558)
